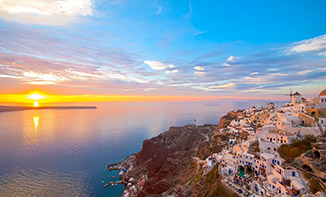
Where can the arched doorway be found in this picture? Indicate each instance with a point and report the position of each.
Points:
(316, 154)
(306, 167)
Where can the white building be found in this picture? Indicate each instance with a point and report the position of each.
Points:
(229, 162)
(297, 123)
(247, 159)
(296, 97)
(267, 147)
(264, 164)
(321, 100)
(270, 106)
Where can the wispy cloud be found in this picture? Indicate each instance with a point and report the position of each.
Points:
(227, 85)
(199, 73)
(199, 68)
(159, 10)
(41, 79)
(278, 74)
(190, 9)
(304, 72)
(157, 65)
(171, 71)
(317, 44)
(45, 12)
(200, 33)
(254, 73)
(230, 59)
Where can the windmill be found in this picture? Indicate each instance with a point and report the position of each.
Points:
(289, 94)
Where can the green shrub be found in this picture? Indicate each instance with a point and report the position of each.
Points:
(295, 149)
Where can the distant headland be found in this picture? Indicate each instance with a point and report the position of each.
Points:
(20, 108)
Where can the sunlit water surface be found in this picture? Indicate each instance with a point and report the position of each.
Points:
(65, 152)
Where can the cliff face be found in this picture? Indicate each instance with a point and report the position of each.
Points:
(167, 163)
(226, 120)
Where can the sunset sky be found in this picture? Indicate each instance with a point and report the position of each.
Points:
(170, 49)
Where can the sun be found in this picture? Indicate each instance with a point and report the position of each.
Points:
(35, 96)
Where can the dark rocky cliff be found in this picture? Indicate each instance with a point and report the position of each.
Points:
(172, 162)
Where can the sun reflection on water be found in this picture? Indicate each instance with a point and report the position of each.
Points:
(36, 120)
(36, 104)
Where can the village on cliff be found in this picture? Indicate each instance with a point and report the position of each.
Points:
(263, 161)
(261, 151)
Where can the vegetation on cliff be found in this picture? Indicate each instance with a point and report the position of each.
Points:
(290, 151)
(315, 186)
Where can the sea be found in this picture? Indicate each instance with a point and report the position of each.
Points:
(66, 152)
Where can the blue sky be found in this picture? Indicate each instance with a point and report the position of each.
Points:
(196, 48)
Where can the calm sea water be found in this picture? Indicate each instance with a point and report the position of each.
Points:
(65, 152)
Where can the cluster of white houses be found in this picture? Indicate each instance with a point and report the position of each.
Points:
(253, 162)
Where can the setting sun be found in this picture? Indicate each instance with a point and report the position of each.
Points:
(36, 96)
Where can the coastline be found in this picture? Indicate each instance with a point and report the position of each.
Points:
(205, 160)
(171, 158)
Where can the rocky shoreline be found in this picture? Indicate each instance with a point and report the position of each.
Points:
(173, 163)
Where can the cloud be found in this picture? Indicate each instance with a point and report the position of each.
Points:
(231, 59)
(171, 71)
(149, 89)
(190, 9)
(159, 10)
(278, 74)
(254, 73)
(199, 68)
(45, 12)
(317, 44)
(43, 79)
(156, 65)
(199, 33)
(304, 72)
(227, 85)
(199, 73)
(322, 53)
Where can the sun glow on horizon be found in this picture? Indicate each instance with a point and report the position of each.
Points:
(36, 98)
